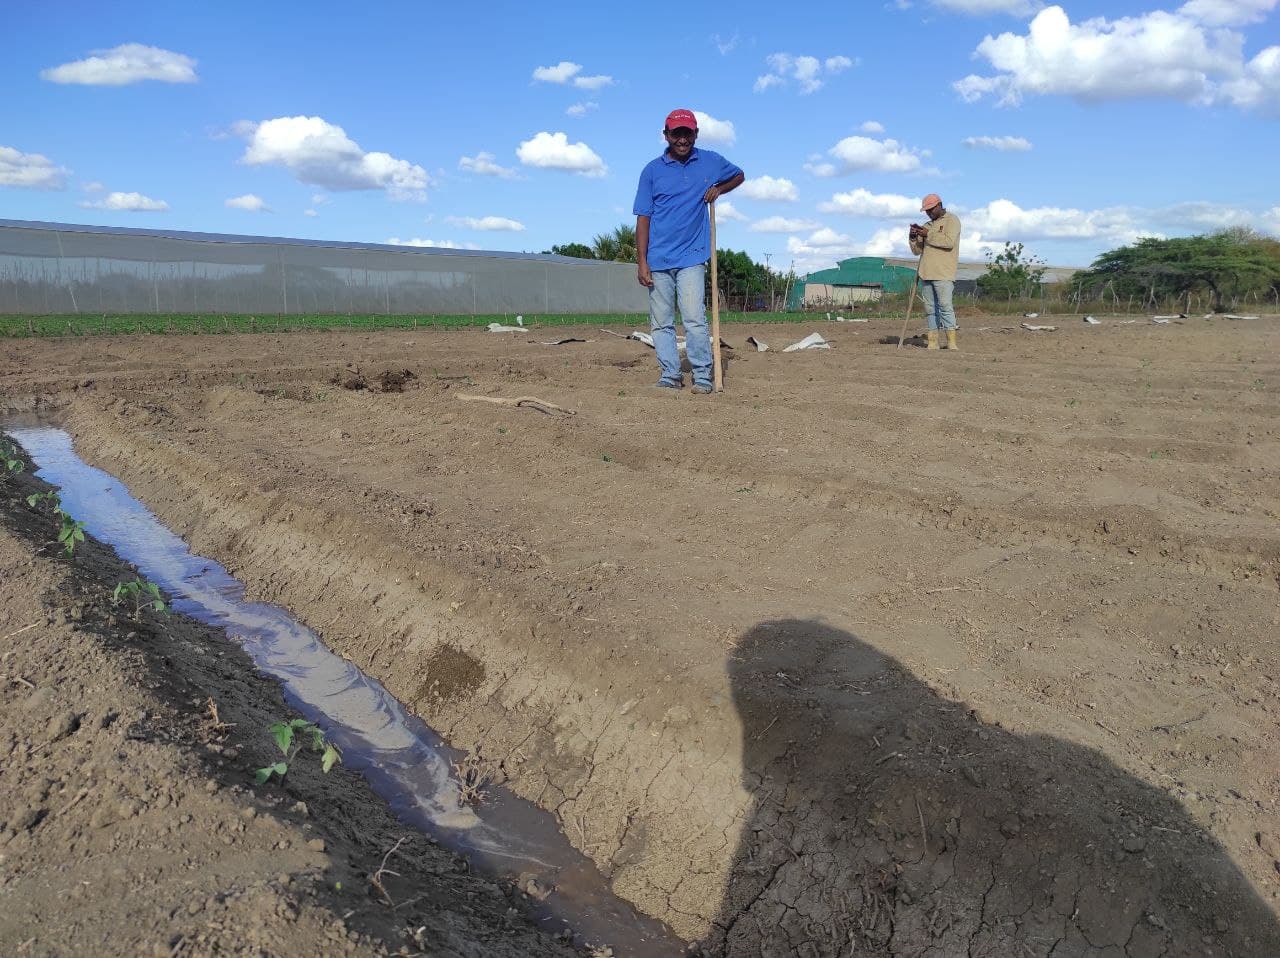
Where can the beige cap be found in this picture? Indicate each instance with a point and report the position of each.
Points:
(929, 202)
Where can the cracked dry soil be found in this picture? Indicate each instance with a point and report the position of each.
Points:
(879, 653)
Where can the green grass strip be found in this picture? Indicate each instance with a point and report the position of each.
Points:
(210, 324)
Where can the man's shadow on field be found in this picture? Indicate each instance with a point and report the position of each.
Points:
(887, 820)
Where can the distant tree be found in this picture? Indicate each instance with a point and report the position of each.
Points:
(618, 246)
(578, 250)
(744, 281)
(1227, 264)
(1011, 273)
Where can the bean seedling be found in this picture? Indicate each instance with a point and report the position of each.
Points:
(9, 460)
(291, 737)
(70, 533)
(36, 498)
(145, 595)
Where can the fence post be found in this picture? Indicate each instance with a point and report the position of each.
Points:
(284, 288)
(71, 288)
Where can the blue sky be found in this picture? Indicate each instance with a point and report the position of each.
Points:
(1071, 128)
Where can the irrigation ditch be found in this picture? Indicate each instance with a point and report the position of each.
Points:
(406, 763)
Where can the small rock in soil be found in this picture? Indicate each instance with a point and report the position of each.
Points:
(62, 725)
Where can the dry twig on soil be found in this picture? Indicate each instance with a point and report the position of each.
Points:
(216, 725)
(533, 402)
(376, 878)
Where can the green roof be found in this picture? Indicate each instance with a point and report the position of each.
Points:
(857, 271)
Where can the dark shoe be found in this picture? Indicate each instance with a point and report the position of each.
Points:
(668, 384)
(700, 390)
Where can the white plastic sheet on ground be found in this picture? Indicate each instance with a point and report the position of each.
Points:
(648, 340)
(812, 341)
(760, 345)
(1091, 321)
(1039, 329)
(499, 328)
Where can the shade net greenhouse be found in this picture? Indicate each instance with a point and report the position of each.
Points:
(54, 268)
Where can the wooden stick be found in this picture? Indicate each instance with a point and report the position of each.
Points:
(25, 628)
(533, 402)
(716, 369)
(912, 301)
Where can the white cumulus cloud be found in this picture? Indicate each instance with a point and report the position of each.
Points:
(321, 154)
(125, 64)
(250, 202)
(562, 72)
(31, 170)
(1003, 144)
(582, 109)
(553, 151)
(864, 153)
(769, 188)
(487, 223)
(484, 164)
(781, 224)
(985, 8)
(1003, 219)
(1187, 55)
(715, 132)
(127, 202)
(862, 202)
(593, 82)
(1259, 86)
(874, 127)
(727, 211)
(807, 72)
(1228, 13)
(429, 243)
(822, 250)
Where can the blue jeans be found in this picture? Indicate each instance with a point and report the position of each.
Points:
(687, 285)
(936, 295)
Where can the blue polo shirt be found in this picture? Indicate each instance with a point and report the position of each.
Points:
(670, 194)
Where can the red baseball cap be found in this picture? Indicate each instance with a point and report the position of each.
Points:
(678, 118)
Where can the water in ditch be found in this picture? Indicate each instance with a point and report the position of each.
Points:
(402, 758)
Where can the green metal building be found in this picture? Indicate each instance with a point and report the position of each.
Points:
(860, 279)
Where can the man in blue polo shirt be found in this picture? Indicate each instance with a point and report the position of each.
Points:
(673, 244)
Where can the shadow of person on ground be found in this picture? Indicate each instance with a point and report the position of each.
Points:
(887, 820)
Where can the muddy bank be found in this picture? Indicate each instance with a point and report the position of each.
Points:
(922, 658)
(130, 824)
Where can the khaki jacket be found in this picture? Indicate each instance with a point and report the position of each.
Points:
(941, 248)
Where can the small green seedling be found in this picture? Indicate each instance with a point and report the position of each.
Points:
(145, 595)
(36, 498)
(606, 458)
(9, 460)
(70, 533)
(291, 737)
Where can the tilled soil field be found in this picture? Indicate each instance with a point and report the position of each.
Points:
(880, 652)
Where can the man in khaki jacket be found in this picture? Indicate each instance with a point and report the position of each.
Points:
(939, 242)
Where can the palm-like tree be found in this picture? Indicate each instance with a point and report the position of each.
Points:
(618, 246)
